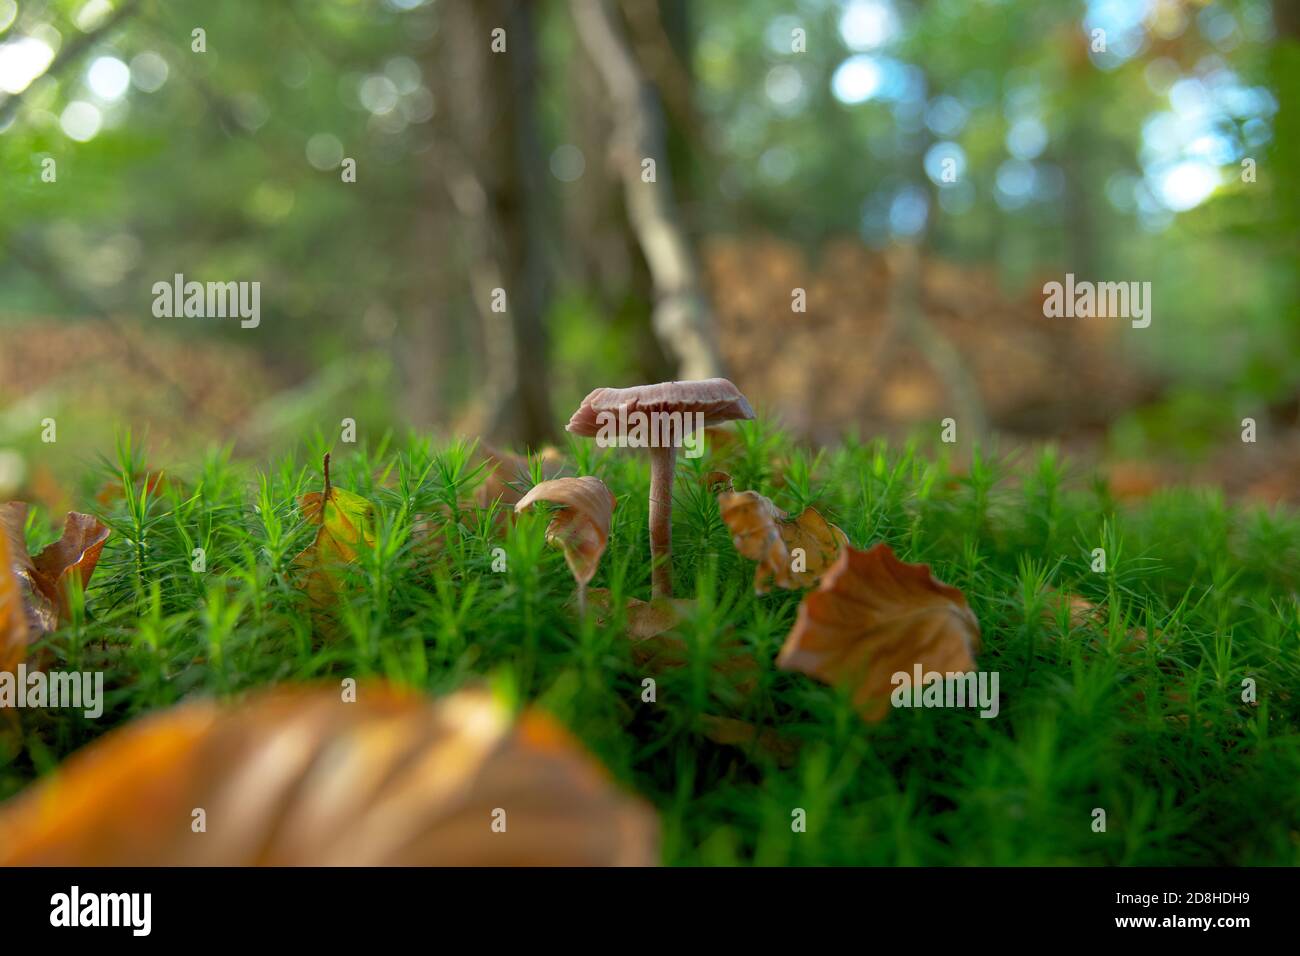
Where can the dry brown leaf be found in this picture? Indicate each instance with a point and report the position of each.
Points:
(752, 521)
(745, 736)
(645, 619)
(46, 579)
(580, 526)
(430, 535)
(1083, 613)
(874, 379)
(718, 482)
(346, 525)
(791, 553)
(1133, 480)
(297, 777)
(74, 554)
(112, 491)
(875, 616)
(721, 439)
(504, 472)
(649, 628)
(13, 616)
(1079, 609)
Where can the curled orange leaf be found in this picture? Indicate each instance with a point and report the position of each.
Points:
(74, 554)
(45, 581)
(875, 616)
(299, 777)
(791, 552)
(13, 616)
(580, 525)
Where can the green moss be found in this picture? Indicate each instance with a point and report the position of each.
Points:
(1158, 737)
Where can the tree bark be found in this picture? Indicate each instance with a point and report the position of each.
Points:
(492, 165)
(682, 317)
(424, 326)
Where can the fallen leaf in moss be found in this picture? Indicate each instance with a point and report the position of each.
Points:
(47, 579)
(875, 616)
(791, 552)
(580, 525)
(346, 526)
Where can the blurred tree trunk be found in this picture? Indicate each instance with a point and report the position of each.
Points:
(682, 317)
(595, 212)
(1283, 153)
(424, 329)
(604, 256)
(1074, 157)
(491, 159)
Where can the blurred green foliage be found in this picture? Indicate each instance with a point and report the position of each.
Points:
(1122, 164)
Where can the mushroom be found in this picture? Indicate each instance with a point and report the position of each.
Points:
(660, 418)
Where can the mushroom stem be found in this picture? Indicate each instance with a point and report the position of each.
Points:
(662, 462)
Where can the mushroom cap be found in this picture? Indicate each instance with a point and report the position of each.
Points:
(717, 398)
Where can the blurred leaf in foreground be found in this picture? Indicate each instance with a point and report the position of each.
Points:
(297, 776)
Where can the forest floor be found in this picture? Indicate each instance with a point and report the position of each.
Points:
(1157, 689)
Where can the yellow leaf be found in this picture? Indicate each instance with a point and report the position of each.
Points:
(346, 523)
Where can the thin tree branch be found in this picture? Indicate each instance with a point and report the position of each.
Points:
(69, 54)
(488, 151)
(682, 317)
(671, 75)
